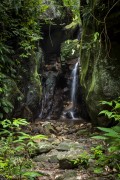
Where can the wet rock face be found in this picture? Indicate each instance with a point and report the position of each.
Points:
(24, 93)
(56, 80)
(56, 98)
(59, 61)
(100, 68)
(52, 101)
(31, 87)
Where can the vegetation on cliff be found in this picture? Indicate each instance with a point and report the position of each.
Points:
(20, 33)
(20, 55)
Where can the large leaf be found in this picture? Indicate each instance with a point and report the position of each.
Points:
(32, 174)
(100, 137)
(106, 103)
(116, 128)
(109, 130)
(19, 121)
(114, 135)
(107, 113)
(6, 123)
(117, 105)
(40, 136)
(23, 136)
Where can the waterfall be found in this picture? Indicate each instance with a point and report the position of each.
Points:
(74, 75)
(74, 84)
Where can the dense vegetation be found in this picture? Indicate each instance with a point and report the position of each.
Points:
(20, 33)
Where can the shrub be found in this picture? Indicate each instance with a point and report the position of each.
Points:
(16, 149)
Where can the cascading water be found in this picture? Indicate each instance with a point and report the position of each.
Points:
(74, 84)
(74, 75)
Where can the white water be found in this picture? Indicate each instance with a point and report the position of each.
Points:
(74, 88)
(74, 84)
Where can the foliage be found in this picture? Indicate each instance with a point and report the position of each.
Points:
(105, 161)
(19, 36)
(112, 112)
(70, 49)
(8, 90)
(115, 109)
(83, 160)
(16, 149)
(112, 137)
(5, 105)
(74, 6)
(19, 40)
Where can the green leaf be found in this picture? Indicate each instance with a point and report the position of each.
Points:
(113, 134)
(32, 174)
(99, 137)
(106, 102)
(117, 106)
(19, 148)
(31, 144)
(116, 128)
(109, 130)
(23, 136)
(4, 132)
(6, 109)
(19, 121)
(1, 90)
(113, 148)
(6, 123)
(98, 170)
(96, 35)
(107, 113)
(40, 136)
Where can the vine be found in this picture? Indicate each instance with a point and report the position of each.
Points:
(100, 22)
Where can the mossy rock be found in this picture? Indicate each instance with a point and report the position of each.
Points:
(100, 67)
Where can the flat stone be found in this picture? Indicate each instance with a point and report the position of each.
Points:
(44, 147)
(66, 146)
(41, 158)
(50, 157)
(69, 175)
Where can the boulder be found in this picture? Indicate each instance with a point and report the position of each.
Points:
(44, 147)
(66, 159)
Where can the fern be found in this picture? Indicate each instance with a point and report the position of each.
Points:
(111, 136)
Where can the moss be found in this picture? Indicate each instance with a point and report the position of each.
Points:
(34, 72)
(100, 66)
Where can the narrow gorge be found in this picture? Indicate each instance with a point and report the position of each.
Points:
(60, 90)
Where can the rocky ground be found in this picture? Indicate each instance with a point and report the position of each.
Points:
(65, 154)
